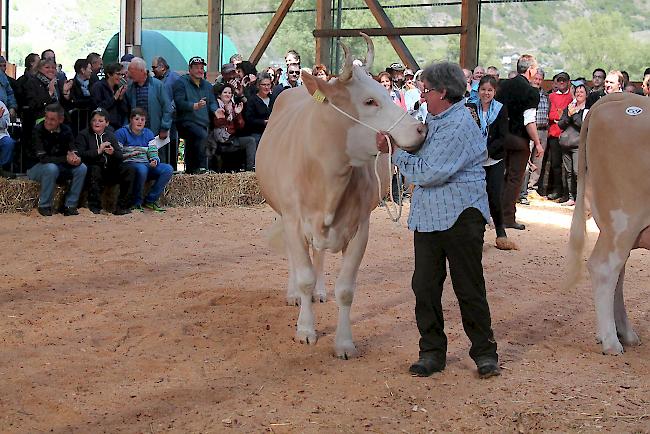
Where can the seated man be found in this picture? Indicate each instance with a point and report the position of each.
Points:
(53, 147)
(100, 152)
(6, 142)
(143, 157)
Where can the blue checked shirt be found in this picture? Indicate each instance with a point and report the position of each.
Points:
(447, 171)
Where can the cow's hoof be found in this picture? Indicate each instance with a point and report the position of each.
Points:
(293, 301)
(307, 337)
(630, 339)
(319, 297)
(613, 348)
(346, 351)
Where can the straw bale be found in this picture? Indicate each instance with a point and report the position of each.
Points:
(214, 189)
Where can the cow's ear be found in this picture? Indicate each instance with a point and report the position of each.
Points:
(317, 88)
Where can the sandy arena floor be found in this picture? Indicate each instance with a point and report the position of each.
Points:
(177, 323)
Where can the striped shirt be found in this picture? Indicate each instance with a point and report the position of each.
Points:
(542, 111)
(447, 171)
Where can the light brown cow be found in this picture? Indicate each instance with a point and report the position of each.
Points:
(315, 169)
(614, 159)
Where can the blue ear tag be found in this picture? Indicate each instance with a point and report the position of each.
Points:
(319, 96)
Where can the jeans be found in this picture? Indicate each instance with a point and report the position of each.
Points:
(48, 173)
(515, 162)
(162, 173)
(6, 150)
(195, 136)
(246, 143)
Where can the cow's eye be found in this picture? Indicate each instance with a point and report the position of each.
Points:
(370, 101)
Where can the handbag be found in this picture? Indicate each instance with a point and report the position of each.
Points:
(570, 138)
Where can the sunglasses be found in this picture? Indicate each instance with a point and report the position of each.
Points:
(293, 72)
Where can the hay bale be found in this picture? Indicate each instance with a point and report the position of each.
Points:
(213, 189)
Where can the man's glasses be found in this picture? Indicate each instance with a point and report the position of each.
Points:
(293, 72)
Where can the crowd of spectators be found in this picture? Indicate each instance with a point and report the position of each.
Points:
(104, 121)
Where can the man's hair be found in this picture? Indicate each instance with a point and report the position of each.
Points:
(49, 50)
(247, 67)
(477, 67)
(55, 108)
(138, 111)
(138, 63)
(235, 57)
(619, 74)
(447, 76)
(161, 61)
(525, 62)
(80, 64)
(112, 68)
(264, 76)
(30, 59)
(93, 57)
(541, 71)
(599, 70)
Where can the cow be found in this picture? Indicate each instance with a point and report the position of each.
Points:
(315, 168)
(613, 186)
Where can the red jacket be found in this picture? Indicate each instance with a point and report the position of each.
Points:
(558, 102)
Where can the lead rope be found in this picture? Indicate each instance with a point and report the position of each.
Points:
(398, 207)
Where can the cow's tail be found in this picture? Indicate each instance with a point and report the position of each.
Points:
(578, 233)
(275, 236)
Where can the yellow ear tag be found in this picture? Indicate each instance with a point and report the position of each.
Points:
(319, 96)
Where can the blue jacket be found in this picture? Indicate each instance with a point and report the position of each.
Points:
(6, 92)
(168, 80)
(186, 93)
(160, 106)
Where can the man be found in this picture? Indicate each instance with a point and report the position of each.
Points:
(3, 68)
(236, 59)
(291, 58)
(77, 100)
(53, 147)
(541, 122)
(194, 101)
(598, 80)
(613, 84)
(493, 71)
(468, 78)
(149, 94)
(7, 95)
(396, 71)
(558, 101)
(97, 65)
(161, 70)
(521, 101)
(293, 78)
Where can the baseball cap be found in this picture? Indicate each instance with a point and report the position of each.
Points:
(127, 57)
(396, 66)
(228, 67)
(408, 71)
(563, 76)
(196, 60)
(578, 83)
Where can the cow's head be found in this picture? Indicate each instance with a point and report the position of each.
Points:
(357, 94)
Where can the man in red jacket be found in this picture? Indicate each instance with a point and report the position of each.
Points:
(558, 101)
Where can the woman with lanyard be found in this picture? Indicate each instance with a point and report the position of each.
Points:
(492, 118)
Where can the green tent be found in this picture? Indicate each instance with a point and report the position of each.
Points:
(176, 47)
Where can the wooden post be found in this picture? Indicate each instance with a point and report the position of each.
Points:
(323, 21)
(469, 37)
(268, 34)
(131, 27)
(214, 36)
(396, 41)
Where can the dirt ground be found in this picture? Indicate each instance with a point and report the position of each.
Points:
(177, 323)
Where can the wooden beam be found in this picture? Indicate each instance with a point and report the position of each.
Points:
(396, 41)
(131, 27)
(214, 36)
(323, 21)
(469, 38)
(268, 34)
(395, 31)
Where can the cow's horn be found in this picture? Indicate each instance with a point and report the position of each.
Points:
(370, 57)
(346, 74)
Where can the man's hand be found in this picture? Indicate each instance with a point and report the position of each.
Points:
(163, 134)
(109, 149)
(239, 107)
(539, 150)
(199, 105)
(73, 159)
(153, 162)
(119, 93)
